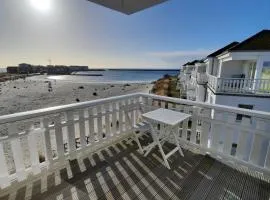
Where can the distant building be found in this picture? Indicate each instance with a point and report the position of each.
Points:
(39, 69)
(13, 70)
(77, 68)
(25, 68)
(57, 69)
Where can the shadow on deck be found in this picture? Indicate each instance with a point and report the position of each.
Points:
(120, 172)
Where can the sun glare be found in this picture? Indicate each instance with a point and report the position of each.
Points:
(43, 5)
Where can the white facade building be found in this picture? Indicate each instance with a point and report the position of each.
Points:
(235, 75)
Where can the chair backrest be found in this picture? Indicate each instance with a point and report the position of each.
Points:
(133, 112)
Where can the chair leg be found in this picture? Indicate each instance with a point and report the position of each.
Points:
(149, 148)
(138, 143)
(164, 156)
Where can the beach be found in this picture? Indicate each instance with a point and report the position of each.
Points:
(39, 92)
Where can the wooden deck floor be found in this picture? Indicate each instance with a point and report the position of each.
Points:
(120, 172)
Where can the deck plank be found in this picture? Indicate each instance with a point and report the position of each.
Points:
(236, 186)
(206, 184)
(120, 172)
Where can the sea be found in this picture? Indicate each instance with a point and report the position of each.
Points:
(116, 76)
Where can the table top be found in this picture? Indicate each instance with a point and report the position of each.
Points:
(166, 116)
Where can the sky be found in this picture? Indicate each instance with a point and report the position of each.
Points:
(78, 32)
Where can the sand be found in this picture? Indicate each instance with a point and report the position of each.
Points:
(32, 93)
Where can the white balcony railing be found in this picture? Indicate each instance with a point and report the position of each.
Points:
(40, 141)
(188, 70)
(239, 85)
(201, 78)
(191, 95)
(191, 84)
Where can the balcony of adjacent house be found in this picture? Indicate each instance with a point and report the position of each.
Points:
(199, 77)
(191, 84)
(241, 77)
(189, 69)
(191, 95)
(185, 79)
(87, 151)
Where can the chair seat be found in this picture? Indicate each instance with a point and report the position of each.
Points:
(141, 127)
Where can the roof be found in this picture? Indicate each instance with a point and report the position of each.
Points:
(194, 62)
(128, 6)
(186, 64)
(223, 49)
(258, 42)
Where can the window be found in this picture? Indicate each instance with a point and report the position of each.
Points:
(266, 64)
(266, 70)
(239, 117)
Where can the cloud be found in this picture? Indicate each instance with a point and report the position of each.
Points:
(177, 58)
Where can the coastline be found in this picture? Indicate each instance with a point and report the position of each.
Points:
(33, 93)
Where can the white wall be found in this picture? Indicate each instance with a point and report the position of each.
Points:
(200, 93)
(230, 68)
(262, 104)
(211, 98)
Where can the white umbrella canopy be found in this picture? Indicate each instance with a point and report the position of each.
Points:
(128, 6)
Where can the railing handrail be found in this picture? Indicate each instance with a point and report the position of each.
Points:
(249, 79)
(239, 85)
(257, 113)
(57, 109)
(228, 78)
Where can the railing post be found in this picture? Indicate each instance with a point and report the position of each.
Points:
(133, 103)
(91, 126)
(99, 122)
(82, 129)
(48, 146)
(17, 153)
(114, 118)
(121, 115)
(59, 136)
(71, 131)
(107, 120)
(32, 139)
(206, 115)
(4, 176)
(256, 85)
(228, 140)
(195, 112)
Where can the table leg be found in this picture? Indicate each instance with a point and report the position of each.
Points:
(154, 143)
(177, 141)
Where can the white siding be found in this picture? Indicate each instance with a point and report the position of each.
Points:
(262, 104)
(232, 68)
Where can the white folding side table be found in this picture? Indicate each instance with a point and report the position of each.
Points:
(171, 119)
